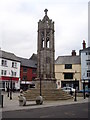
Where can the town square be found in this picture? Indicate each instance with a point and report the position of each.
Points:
(47, 83)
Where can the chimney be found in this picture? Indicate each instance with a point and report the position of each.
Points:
(84, 44)
(73, 53)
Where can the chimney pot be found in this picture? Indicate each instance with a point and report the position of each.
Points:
(73, 53)
(84, 44)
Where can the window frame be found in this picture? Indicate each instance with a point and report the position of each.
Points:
(4, 62)
(68, 66)
(68, 75)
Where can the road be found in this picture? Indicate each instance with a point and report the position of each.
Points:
(79, 110)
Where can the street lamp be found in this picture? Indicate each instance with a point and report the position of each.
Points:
(40, 86)
(11, 87)
(75, 92)
(8, 89)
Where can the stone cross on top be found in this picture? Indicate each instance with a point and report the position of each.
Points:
(45, 11)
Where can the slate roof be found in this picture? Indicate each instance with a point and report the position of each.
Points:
(8, 55)
(28, 63)
(85, 49)
(68, 60)
(33, 57)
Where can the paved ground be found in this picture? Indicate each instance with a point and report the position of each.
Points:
(61, 111)
(10, 105)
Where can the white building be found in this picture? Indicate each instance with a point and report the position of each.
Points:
(85, 65)
(9, 70)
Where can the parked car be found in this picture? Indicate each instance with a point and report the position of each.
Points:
(68, 89)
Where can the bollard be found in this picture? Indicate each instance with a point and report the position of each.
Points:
(39, 100)
(22, 101)
(1, 100)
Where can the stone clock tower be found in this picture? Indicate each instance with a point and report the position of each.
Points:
(46, 50)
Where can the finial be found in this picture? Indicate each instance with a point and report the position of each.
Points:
(45, 11)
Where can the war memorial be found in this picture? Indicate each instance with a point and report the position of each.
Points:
(45, 83)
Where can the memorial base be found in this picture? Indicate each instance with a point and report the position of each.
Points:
(45, 83)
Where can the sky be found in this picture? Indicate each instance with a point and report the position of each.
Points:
(19, 25)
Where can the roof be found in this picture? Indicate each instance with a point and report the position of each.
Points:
(68, 60)
(85, 49)
(8, 55)
(28, 63)
(33, 57)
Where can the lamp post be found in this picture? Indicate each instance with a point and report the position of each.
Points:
(40, 87)
(84, 89)
(8, 89)
(75, 99)
(11, 89)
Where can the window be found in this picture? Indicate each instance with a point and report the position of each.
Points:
(88, 73)
(33, 78)
(24, 69)
(24, 77)
(42, 39)
(3, 72)
(13, 73)
(88, 63)
(68, 75)
(34, 71)
(68, 66)
(87, 53)
(4, 63)
(14, 64)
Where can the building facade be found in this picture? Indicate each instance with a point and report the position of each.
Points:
(68, 71)
(9, 70)
(85, 67)
(28, 73)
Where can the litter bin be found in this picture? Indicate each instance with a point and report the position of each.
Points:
(1, 101)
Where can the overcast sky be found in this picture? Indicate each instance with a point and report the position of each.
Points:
(19, 18)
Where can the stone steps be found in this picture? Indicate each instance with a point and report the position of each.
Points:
(47, 94)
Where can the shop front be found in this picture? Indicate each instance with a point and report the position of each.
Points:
(70, 84)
